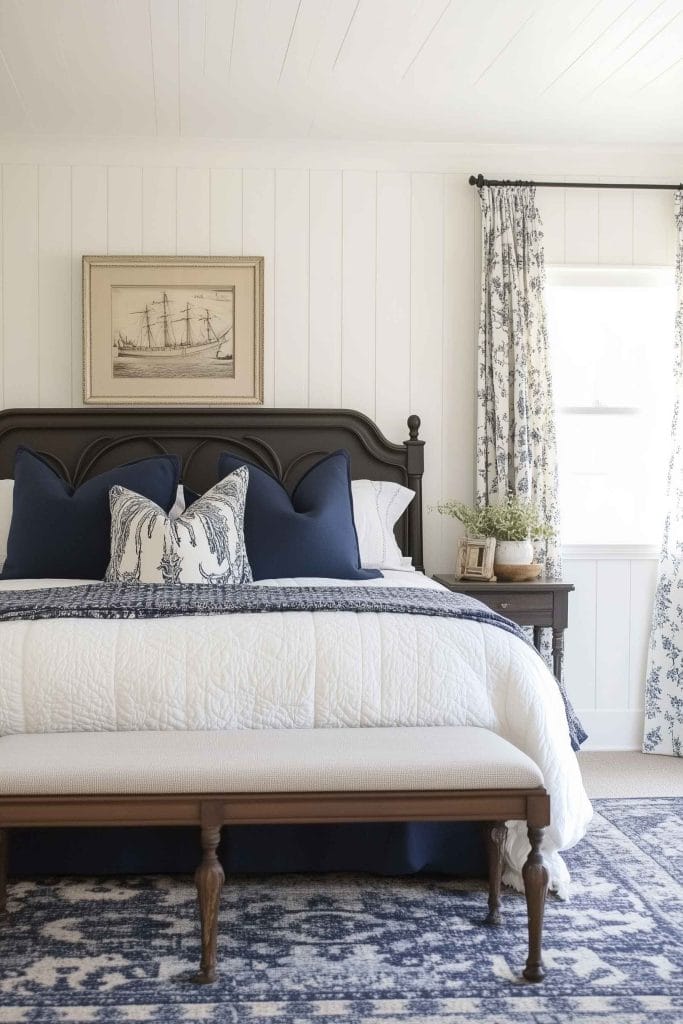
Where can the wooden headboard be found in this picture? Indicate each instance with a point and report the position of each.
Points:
(83, 442)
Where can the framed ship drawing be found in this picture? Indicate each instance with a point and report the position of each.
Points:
(173, 330)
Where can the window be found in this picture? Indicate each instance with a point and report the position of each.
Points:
(611, 337)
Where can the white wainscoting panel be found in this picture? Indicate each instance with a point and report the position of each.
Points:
(579, 658)
(258, 239)
(88, 237)
(615, 226)
(54, 276)
(225, 230)
(194, 211)
(359, 276)
(159, 205)
(291, 288)
(325, 289)
(21, 285)
(606, 656)
(426, 360)
(581, 226)
(653, 228)
(124, 210)
(392, 320)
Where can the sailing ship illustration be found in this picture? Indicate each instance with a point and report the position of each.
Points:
(156, 336)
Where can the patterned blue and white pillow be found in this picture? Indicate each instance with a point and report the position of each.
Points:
(203, 545)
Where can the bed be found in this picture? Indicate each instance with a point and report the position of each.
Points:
(292, 669)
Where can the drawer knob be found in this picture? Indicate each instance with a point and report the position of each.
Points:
(504, 604)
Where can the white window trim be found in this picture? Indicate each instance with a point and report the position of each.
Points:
(598, 275)
(606, 552)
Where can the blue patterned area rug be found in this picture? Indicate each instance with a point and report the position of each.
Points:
(353, 949)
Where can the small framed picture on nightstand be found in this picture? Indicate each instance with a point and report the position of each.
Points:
(475, 558)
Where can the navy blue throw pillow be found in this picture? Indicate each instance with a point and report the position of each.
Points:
(62, 532)
(310, 534)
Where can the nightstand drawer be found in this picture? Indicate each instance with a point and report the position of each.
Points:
(537, 603)
(509, 604)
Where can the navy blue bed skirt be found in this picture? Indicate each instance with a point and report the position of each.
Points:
(389, 849)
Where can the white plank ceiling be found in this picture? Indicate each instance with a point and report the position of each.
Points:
(570, 71)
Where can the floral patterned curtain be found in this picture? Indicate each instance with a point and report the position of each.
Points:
(516, 440)
(664, 683)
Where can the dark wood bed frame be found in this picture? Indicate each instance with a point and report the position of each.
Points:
(83, 442)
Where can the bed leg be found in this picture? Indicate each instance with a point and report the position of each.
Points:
(535, 874)
(4, 858)
(209, 879)
(496, 834)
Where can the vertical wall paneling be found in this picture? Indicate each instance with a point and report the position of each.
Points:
(325, 288)
(426, 315)
(579, 665)
(20, 284)
(124, 210)
(612, 633)
(359, 215)
(88, 237)
(642, 588)
(259, 240)
(551, 205)
(193, 211)
(581, 226)
(159, 211)
(392, 342)
(226, 212)
(615, 226)
(653, 228)
(459, 354)
(291, 288)
(54, 272)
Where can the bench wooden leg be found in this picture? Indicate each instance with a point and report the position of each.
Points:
(209, 878)
(535, 875)
(496, 834)
(4, 858)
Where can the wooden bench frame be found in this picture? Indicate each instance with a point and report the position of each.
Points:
(211, 811)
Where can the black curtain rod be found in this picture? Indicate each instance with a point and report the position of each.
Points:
(479, 180)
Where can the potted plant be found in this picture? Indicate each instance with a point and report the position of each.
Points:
(514, 522)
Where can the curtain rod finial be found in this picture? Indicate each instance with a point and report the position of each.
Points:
(477, 180)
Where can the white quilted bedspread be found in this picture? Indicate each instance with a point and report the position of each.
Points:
(296, 670)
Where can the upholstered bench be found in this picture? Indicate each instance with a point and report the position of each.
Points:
(287, 776)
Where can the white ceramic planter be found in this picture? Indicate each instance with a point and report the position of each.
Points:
(514, 552)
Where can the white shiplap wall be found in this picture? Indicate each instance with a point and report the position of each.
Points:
(371, 302)
(359, 309)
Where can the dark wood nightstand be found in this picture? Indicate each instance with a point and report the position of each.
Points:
(538, 604)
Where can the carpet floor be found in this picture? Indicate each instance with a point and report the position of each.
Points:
(354, 949)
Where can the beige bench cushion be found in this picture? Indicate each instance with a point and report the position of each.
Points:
(263, 761)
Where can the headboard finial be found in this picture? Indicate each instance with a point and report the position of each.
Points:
(414, 423)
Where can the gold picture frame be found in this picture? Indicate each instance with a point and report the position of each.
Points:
(173, 330)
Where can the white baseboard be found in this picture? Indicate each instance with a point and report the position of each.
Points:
(613, 729)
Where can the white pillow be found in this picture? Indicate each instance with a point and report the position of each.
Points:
(6, 499)
(377, 506)
(203, 545)
(178, 506)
